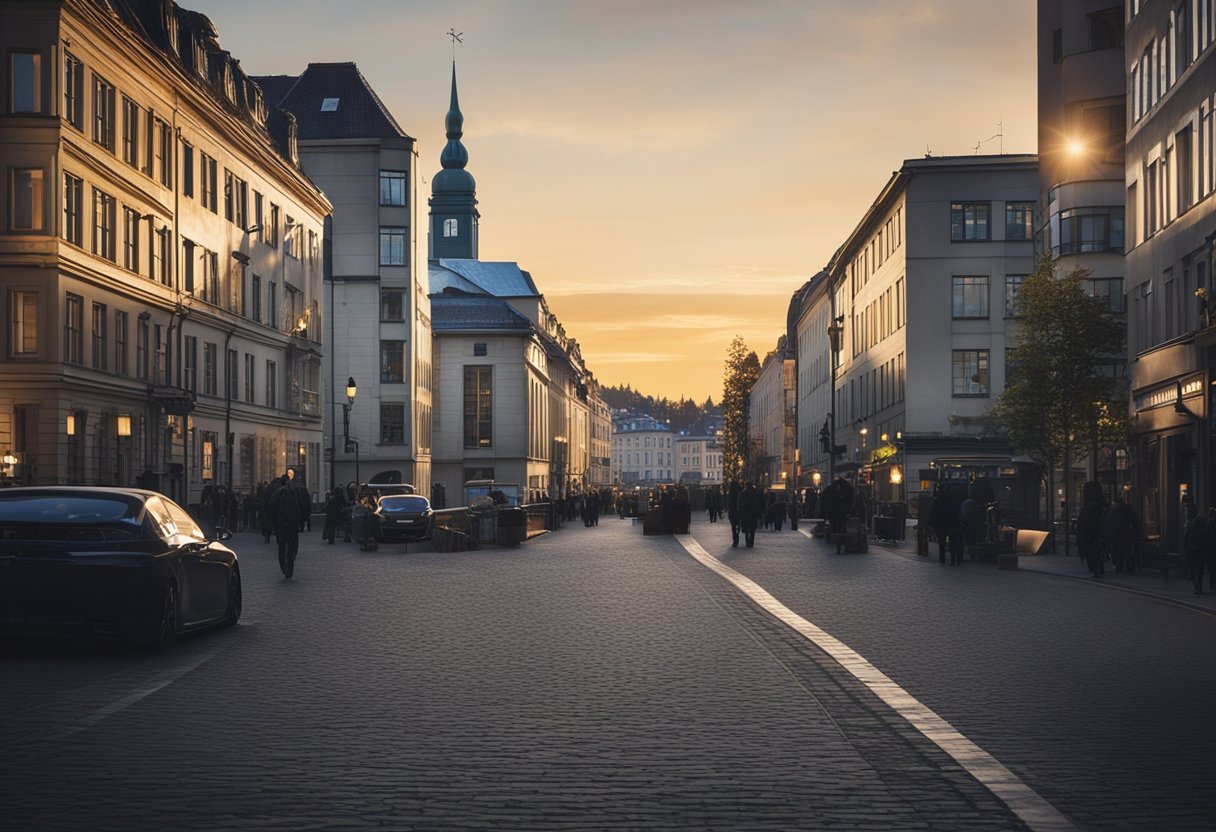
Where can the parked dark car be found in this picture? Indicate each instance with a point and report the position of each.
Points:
(404, 517)
(112, 563)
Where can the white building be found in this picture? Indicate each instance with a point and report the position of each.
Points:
(643, 451)
(771, 418)
(160, 258)
(376, 299)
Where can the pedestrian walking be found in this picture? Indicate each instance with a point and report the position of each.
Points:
(285, 514)
(1196, 543)
(333, 514)
(751, 508)
(1117, 534)
(1089, 528)
(732, 511)
(942, 516)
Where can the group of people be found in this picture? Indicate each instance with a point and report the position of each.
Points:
(1106, 531)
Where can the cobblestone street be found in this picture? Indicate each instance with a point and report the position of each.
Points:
(597, 679)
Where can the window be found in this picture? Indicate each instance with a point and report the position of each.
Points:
(480, 348)
(272, 231)
(24, 324)
(236, 200)
(73, 329)
(27, 206)
(392, 246)
(130, 132)
(451, 228)
(1109, 290)
(970, 373)
(271, 306)
(231, 381)
(1013, 287)
(392, 362)
(392, 423)
(1106, 29)
(210, 369)
(190, 364)
(162, 153)
(103, 113)
(25, 82)
(120, 342)
(99, 336)
(130, 243)
(160, 356)
(187, 170)
(249, 378)
(329, 105)
(392, 305)
(392, 187)
(259, 216)
(271, 385)
(73, 209)
(211, 277)
(209, 173)
(256, 290)
(1019, 220)
(160, 257)
(1185, 171)
(969, 296)
(73, 91)
(103, 225)
(291, 238)
(142, 339)
(1084, 230)
(478, 407)
(969, 221)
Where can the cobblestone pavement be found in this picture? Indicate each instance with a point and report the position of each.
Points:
(1102, 701)
(596, 679)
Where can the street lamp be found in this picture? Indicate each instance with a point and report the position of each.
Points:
(351, 390)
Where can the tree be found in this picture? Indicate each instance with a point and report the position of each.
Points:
(739, 375)
(1057, 392)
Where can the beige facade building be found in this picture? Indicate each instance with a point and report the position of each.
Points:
(643, 451)
(771, 417)
(698, 460)
(160, 257)
(376, 297)
(1171, 232)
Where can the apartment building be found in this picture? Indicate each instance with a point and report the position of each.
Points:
(643, 451)
(770, 418)
(160, 257)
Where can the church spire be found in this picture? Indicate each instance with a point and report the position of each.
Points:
(454, 153)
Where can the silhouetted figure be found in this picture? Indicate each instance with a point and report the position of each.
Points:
(1089, 528)
(732, 510)
(751, 506)
(286, 516)
(1196, 542)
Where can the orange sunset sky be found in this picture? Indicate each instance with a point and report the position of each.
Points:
(670, 172)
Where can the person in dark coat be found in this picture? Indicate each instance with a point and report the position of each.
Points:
(1117, 534)
(333, 514)
(776, 513)
(285, 512)
(1089, 528)
(840, 505)
(942, 517)
(271, 492)
(751, 507)
(793, 508)
(713, 504)
(1196, 541)
(732, 511)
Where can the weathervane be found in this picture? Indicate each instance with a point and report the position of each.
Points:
(456, 38)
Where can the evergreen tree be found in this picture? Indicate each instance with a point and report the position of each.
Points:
(740, 373)
(1057, 393)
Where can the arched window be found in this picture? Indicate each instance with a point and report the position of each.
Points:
(450, 228)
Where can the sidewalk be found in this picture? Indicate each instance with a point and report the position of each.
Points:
(1176, 589)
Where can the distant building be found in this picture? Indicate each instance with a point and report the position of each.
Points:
(376, 300)
(925, 289)
(771, 417)
(643, 451)
(160, 258)
(698, 460)
(811, 310)
(1171, 239)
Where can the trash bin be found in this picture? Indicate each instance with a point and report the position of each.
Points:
(512, 526)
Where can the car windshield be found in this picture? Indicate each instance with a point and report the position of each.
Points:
(403, 503)
(84, 509)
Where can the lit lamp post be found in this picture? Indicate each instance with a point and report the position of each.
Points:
(351, 390)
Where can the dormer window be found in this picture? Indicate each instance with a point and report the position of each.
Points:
(329, 105)
(450, 228)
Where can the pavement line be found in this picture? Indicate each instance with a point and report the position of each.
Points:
(163, 679)
(1031, 808)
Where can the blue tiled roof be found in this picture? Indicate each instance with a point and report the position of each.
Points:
(499, 279)
(454, 313)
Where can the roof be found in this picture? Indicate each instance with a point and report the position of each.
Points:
(498, 279)
(456, 313)
(354, 112)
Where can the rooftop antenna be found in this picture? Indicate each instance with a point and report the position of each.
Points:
(928, 152)
(1000, 135)
(457, 37)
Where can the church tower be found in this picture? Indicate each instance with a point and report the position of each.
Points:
(454, 194)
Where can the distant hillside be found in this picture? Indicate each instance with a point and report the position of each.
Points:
(685, 414)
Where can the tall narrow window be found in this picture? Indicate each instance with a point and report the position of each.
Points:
(207, 172)
(130, 132)
(143, 338)
(103, 226)
(100, 347)
(187, 170)
(230, 375)
(272, 229)
(24, 324)
(392, 362)
(130, 244)
(120, 343)
(392, 423)
(27, 205)
(256, 293)
(73, 90)
(162, 152)
(1013, 288)
(73, 330)
(190, 364)
(103, 113)
(210, 369)
(259, 216)
(478, 407)
(392, 304)
(1019, 221)
(163, 255)
(249, 378)
(451, 228)
(272, 313)
(272, 398)
(73, 209)
(392, 187)
(25, 82)
(392, 246)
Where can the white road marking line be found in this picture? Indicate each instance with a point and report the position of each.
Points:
(162, 679)
(1032, 809)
